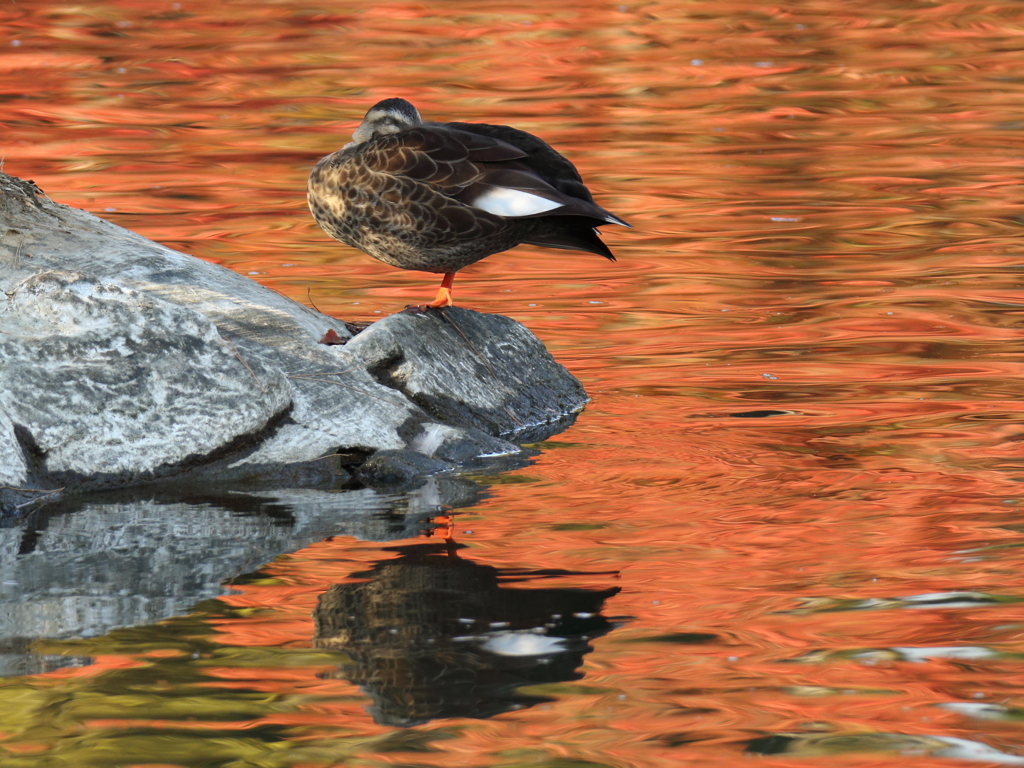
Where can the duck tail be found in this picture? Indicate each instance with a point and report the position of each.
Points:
(575, 239)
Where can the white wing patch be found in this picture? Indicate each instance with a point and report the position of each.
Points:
(504, 201)
(521, 643)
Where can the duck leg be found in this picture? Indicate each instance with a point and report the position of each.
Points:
(446, 519)
(444, 293)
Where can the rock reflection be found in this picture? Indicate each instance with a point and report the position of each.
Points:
(432, 634)
(86, 566)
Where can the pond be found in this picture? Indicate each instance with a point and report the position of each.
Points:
(789, 526)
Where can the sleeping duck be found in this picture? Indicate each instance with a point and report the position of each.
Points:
(437, 197)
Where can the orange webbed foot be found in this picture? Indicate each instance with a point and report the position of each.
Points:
(444, 296)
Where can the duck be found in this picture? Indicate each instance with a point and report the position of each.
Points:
(437, 197)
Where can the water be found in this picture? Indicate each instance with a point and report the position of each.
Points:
(787, 526)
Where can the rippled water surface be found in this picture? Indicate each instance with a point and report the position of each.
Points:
(790, 523)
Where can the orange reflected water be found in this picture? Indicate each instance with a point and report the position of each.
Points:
(801, 468)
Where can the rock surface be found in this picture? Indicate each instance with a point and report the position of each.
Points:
(502, 383)
(124, 362)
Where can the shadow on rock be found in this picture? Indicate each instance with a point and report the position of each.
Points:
(432, 634)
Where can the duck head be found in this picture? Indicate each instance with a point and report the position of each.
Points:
(386, 117)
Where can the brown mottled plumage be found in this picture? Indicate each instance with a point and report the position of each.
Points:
(438, 197)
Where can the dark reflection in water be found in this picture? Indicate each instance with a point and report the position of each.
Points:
(432, 634)
(87, 566)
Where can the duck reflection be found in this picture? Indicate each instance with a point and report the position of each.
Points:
(431, 634)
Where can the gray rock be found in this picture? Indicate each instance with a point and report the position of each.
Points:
(13, 466)
(398, 469)
(124, 362)
(457, 444)
(90, 369)
(464, 368)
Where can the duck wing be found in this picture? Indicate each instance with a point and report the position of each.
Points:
(485, 172)
(545, 167)
(420, 176)
(472, 179)
(445, 160)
